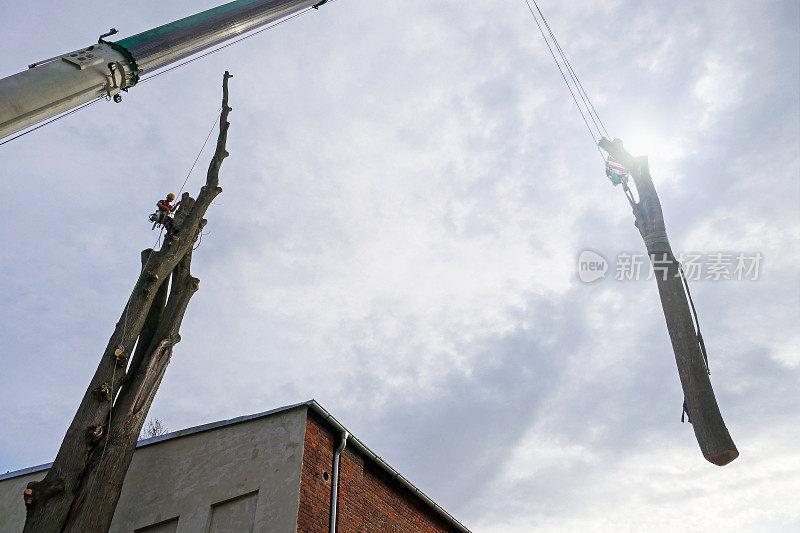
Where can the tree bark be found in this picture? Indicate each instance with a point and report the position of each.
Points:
(701, 404)
(81, 489)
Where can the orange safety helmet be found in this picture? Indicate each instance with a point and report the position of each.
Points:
(170, 197)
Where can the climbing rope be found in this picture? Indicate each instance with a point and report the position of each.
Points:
(127, 305)
(161, 232)
(196, 159)
(108, 428)
(144, 268)
(191, 169)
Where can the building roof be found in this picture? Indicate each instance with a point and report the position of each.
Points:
(317, 409)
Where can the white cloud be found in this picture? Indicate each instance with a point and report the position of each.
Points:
(408, 190)
(719, 87)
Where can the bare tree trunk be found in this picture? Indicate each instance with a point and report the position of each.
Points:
(81, 489)
(700, 403)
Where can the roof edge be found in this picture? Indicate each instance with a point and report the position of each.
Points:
(25, 471)
(329, 418)
(319, 411)
(168, 436)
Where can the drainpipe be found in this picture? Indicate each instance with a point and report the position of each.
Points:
(335, 485)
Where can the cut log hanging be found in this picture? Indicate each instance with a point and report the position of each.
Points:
(700, 403)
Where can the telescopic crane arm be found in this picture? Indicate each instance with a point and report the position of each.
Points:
(54, 86)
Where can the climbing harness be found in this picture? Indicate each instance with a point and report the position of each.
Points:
(162, 216)
(156, 219)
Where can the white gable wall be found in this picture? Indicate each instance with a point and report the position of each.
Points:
(238, 474)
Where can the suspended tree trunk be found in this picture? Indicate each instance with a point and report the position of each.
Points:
(700, 403)
(82, 488)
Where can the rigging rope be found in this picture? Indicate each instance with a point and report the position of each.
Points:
(700, 341)
(581, 91)
(601, 130)
(561, 70)
(696, 320)
(59, 117)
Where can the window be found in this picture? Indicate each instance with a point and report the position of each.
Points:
(236, 515)
(168, 526)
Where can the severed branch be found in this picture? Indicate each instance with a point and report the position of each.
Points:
(700, 403)
(81, 489)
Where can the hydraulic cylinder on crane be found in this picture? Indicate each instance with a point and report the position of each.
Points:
(54, 86)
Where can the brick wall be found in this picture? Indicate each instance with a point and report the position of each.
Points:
(315, 478)
(369, 500)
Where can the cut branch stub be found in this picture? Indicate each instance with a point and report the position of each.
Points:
(39, 490)
(103, 393)
(94, 434)
(121, 360)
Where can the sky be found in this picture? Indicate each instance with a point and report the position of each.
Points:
(408, 192)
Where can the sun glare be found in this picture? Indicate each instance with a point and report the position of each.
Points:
(664, 151)
(643, 140)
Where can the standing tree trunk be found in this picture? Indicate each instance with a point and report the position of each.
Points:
(82, 488)
(699, 400)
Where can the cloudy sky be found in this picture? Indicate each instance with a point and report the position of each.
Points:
(408, 191)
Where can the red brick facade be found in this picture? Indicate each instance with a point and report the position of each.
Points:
(369, 500)
(315, 479)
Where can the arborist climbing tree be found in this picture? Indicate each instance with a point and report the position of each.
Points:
(82, 488)
(700, 404)
(162, 216)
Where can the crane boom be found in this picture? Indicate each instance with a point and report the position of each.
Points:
(54, 86)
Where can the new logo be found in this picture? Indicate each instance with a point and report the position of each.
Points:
(591, 266)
